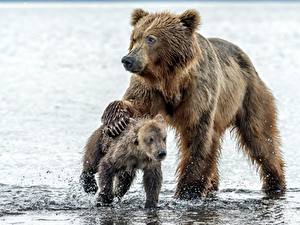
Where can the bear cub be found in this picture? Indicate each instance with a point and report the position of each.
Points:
(141, 146)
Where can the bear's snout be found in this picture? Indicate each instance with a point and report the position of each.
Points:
(132, 64)
(128, 62)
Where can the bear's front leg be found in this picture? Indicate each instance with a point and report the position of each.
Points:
(152, 184)
(105, 183)
(116, 117)
(198, 160)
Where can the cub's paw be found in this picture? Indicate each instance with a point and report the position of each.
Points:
(104, 199)
(150, 204)
(88, 182)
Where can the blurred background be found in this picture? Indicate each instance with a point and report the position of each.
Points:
(60, 65)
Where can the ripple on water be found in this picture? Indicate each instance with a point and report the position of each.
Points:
(238, 205)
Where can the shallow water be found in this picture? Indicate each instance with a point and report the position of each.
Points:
(60, 66)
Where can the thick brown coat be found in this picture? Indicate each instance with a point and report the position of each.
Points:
(202, 87)
(141, 146)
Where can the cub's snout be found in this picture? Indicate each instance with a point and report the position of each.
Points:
(161, 155)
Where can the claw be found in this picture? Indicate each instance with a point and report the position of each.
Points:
(111, 131)
(116, 125)
(116, 131)
(117, 128)
(120, 125)
(124, 123)
(126, 120)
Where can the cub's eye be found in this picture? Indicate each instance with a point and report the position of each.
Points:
(151, 140)
(165, 139)
(150, 40)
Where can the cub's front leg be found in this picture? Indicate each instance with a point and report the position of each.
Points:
(105, 183)
(123, 182)
(152, 183)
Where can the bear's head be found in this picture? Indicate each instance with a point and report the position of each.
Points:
(151, 138)
(162, 42)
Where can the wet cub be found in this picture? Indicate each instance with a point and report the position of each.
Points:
(141, 146)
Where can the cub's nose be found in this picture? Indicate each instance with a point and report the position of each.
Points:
(128, 62)
(162, 154)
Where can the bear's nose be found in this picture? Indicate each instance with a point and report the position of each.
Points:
(128, 62)
(162, 154)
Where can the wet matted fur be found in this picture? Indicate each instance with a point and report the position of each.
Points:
(202, 87)
(141, 146)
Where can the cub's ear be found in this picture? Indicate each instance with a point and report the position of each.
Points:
(136, 141)
(190, 19)
(136, 15)
(159, 118)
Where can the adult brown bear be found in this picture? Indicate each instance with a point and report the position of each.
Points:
(202, 87)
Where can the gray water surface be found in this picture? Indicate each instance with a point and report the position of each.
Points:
(59, 68)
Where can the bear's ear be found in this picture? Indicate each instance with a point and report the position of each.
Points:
(159, 118)
(190, 19)
(136, 15)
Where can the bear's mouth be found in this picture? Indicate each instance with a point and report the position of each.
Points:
(146, 73)
(136, 69)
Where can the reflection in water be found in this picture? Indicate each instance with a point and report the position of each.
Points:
(215, 210)
(228, 206)
(152, 218)
(264, 211)
(110, 216)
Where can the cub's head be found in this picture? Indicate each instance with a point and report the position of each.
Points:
(151, 138)
(161, 42)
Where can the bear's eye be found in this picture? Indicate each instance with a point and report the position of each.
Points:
(165, 139)
(150, 40)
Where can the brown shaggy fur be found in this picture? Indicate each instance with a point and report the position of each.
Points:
(99, 142)
(141, 146)
(202, 87)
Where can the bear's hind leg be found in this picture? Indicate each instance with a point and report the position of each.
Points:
(94, 151)
(257, 129)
